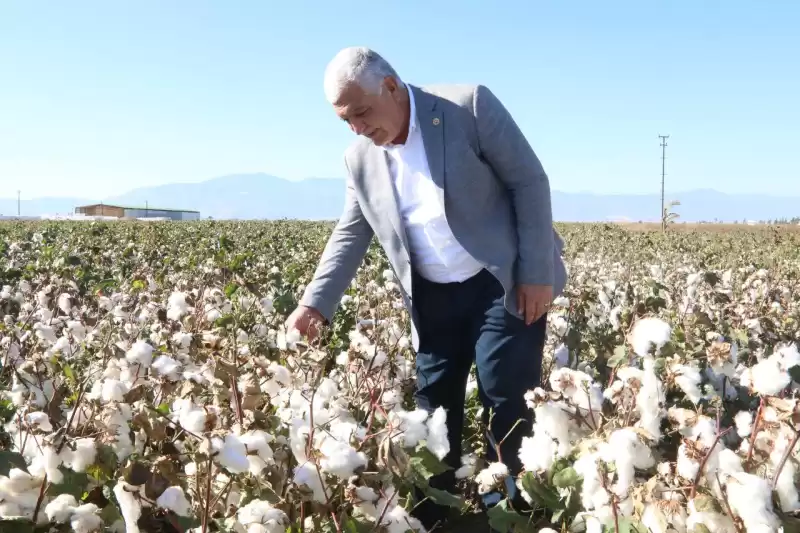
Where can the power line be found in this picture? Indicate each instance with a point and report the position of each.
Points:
(663, 159)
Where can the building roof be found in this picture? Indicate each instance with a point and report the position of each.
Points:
(142, 208)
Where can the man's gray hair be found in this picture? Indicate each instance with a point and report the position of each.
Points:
(360, 65)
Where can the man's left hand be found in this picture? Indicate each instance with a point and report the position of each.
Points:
(533, 301)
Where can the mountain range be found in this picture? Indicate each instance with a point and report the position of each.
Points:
(261, 196)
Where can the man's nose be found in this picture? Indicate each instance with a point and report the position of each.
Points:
(357, 126)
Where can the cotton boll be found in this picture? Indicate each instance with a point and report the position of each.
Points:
(412, 426)
(467, 468)
(306, 474)
(9, 509)
(39, 420)
(140, 353)
(129, 506)
(649, 401)
(261, 513)
(190, 469)
(593, 495)
(77, 330)
(168, 367)
(86, 520)
(45, 333)
(580, 390)
(491, 477)
(688, 464)
(60, 509)
(647, 333)
(750, 497)
(65, 303)
(258, 441)
(437, 441)
(340, 459)
(628, 453)
(654, 519)
(744, 423)
(175, 500)
(267, 305)
(559, 325)
(190, 417)
(785, 487)
(231, 453)
(538, 453)
(688, 379)
(177, 306)
(561, 356)
(112, 390)
(46, 464)
(82, 456)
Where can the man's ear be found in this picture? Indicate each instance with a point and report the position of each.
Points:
(391, 84)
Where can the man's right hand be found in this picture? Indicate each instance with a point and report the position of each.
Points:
(305, 320)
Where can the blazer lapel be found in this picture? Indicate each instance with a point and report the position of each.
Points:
(431, 123)
(387, 192)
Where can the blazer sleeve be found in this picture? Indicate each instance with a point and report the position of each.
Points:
(505, 149)
(343, 254)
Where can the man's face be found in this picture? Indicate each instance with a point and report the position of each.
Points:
(379, 117)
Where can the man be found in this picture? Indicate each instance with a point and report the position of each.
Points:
(460, 203)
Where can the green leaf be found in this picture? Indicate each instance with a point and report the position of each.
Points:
(70, 375)
(138, 285)
(566, 478)
(110, 514)
(504, 519)
(442, 497)
(187, 522)
(794, 372)
(74, 483)
(224, 321)
(9, 460)
(163, 409)
(706, 504)
(230, 289)
(573, 339)
(351, 525)
(620, 356)
(655, 303)
(628, 525)
(544, 496)
(790, 524)
(424, 463)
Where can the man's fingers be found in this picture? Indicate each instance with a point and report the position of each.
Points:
(521, 302)
(531, 310)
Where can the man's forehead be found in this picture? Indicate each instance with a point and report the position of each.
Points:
(350, 97)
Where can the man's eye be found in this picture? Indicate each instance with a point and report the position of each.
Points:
(362, 113)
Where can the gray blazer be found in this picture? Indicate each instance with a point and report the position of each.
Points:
(495, 192)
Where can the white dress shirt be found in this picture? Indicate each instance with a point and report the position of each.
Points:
(435, 252)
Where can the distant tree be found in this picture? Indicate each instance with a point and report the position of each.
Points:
(669, 216)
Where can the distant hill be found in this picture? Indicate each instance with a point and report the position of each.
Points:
(261, 196)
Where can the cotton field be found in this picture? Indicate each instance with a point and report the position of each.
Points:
(148, 385)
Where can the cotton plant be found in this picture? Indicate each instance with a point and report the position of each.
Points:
(667, 397)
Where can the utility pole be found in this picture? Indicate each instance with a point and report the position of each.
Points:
(18, 207)
(663, 158)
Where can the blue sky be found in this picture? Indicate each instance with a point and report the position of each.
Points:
(99, 97)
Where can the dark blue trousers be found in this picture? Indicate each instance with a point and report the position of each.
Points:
(464, 323)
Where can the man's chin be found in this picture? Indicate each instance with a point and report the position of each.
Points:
(379, 139)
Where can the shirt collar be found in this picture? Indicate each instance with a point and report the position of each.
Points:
(412, 121)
